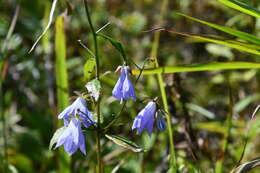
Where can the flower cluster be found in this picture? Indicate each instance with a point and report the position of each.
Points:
(72, 138)
(124, 90)
(77, 114)
(145, 119)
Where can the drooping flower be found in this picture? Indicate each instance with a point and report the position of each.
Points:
(72, 138)
(124, 88)
(161, 125)
(78, 107)
(145, 119)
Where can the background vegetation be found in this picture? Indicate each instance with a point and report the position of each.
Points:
(210, 110)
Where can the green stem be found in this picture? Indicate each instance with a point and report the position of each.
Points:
(220, 162)
(97, 76)
(5, 154)
(154, 52)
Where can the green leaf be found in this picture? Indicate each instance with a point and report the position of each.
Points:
(239, 34)
(201, 110)
(241, 47)
(56, 136)
(247, 166)
(199, 67)
(240, 6)
(216, 127)
(242, 104)
(124, 142)
(89, 68)
(116, 45)
(94, 88)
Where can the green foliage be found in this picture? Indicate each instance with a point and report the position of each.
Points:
(239, 34)
(89, 68)
(199, 67)
(117, 45)
(124, 142)
(247, 166)
(60, 65)
(240, 6)
(61, 80)
(193, 76)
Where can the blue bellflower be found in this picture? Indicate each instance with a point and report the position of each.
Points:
(76, 108)
(145, 119)
(124, 88)
(72, 138)
(161, 125)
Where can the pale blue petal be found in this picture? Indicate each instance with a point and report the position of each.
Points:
(117, 90)
(82, 143)
(145, 119)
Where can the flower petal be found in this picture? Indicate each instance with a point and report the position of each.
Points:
(117, 90)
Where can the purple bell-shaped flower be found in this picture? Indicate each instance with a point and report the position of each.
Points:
(124, 88)
(78, 107)
(72, 138)
(145, 119)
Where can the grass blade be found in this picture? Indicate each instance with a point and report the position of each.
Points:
(125, 143)
(239, 47)
(213, 66)
(48, 25)
(240, 34)
(245, 8)
(246, 167)
(62, 82)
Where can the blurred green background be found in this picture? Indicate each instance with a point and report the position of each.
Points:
(201, 99)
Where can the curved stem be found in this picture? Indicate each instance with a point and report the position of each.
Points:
(94, 34)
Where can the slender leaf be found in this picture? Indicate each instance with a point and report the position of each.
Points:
(48, 25)
(240, 47)
(214, 126)
(201, 110)
(247, 166)
(241, 105)
(240, 34)
(240, 6)
(199, 67)
(124, 142)
(116, 44)
(227, 43)
(252, 46)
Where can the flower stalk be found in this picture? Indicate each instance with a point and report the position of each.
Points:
(97, 77)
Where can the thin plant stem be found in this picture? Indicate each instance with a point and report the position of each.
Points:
(154, 53)
(94, 34)
(220, 162)
(5, 154)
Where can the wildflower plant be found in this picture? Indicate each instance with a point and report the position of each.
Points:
(78, 118)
